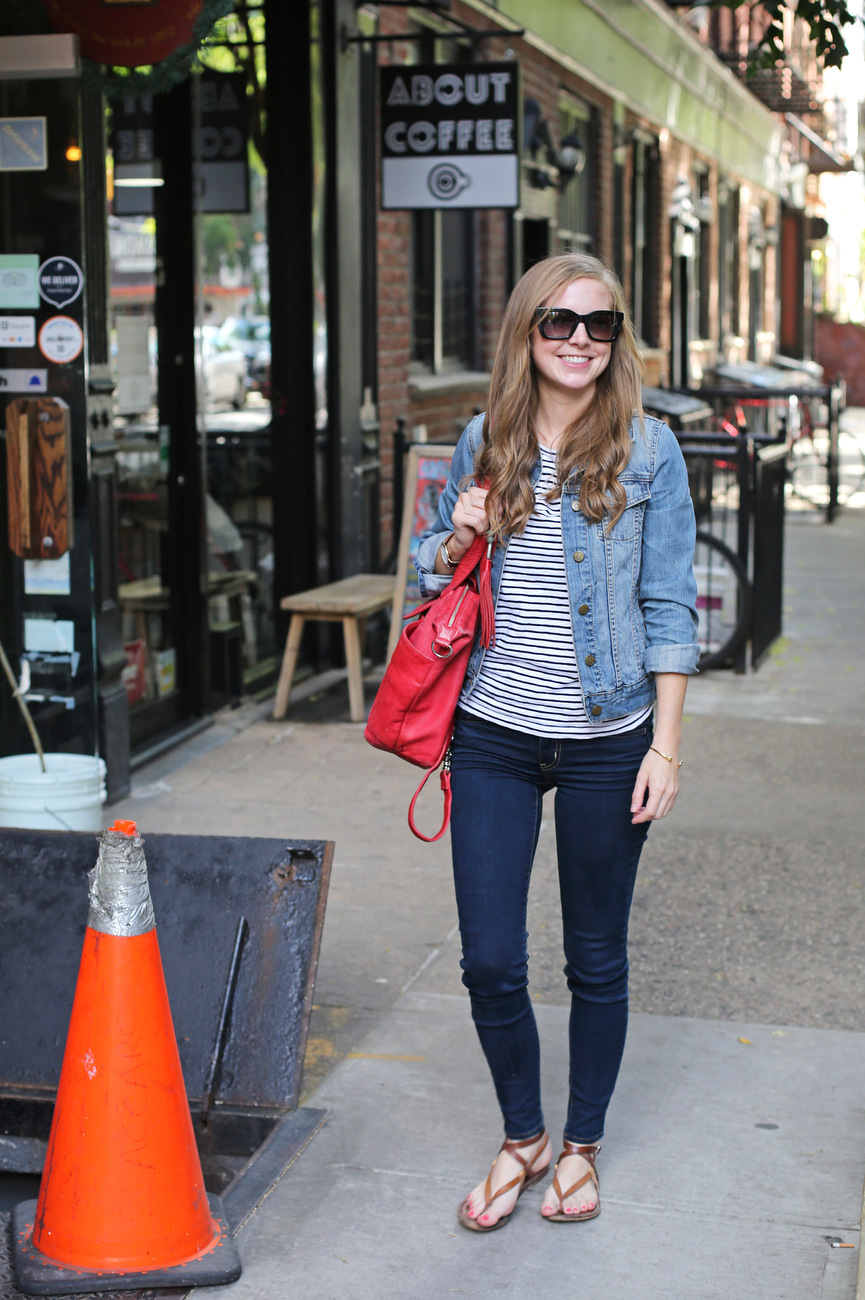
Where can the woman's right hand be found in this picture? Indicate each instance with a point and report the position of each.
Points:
(469, 520)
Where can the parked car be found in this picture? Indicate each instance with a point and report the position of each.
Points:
(259, 370)
(226, 377)
(251, 335)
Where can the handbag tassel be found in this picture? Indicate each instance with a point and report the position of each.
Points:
(485, 590)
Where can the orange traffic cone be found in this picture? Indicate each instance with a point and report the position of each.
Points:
(122, 1202)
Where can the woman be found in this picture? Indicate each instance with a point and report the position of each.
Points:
(595, 629)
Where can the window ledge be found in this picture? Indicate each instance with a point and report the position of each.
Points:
(451, 382)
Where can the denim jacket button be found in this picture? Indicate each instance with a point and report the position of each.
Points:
(575, 504)
(583, 609)
(590, 661)
(579, 556)
(596, 711)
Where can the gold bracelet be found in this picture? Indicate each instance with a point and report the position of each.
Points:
(668, 757)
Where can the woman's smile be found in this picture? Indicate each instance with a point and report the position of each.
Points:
(569, 368)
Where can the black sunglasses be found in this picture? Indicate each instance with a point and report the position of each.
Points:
(561, 323)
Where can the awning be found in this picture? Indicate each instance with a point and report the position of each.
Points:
(821, 156)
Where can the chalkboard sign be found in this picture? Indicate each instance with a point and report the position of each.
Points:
(427, 468)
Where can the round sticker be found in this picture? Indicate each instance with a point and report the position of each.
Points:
(60, 281)
(61, 339)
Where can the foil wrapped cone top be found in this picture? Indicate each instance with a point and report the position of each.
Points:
(120, 901)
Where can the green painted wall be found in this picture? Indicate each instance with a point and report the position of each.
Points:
(640, 54)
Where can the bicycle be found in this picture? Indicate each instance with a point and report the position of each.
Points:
(808, 460)
(723, 601)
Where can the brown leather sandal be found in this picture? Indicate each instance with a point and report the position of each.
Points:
(526, 1178)
(588, 1153)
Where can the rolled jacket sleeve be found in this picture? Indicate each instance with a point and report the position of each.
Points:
(462, 465)
(667, 591)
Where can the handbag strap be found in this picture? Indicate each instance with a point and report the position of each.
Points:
(444, 758)
(480, 553)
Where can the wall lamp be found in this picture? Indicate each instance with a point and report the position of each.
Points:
(681, 209)
(570, 158)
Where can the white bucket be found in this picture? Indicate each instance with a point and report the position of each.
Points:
(68, 796)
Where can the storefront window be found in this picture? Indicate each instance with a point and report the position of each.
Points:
(443, 290)
(728, 260)
(703, 270)
(576, 230)
(645, 195)
(232, 363)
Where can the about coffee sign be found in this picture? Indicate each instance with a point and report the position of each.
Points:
(449, 135)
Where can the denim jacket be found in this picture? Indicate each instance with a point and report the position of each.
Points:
(632, 588)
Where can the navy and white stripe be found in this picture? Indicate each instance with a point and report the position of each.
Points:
(529, 679)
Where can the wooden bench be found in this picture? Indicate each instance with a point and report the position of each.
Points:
(350, 602)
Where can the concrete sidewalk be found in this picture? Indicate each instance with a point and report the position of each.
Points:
(728, 1165)
(727, 1169)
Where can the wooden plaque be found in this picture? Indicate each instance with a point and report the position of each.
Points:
(39, 477)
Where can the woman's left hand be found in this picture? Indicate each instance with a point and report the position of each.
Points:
(656, 788)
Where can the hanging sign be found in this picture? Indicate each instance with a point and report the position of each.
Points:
(60, 281)
(223, 173)
(123, 33)
(61, 339)
(449, 135)
(220, 147)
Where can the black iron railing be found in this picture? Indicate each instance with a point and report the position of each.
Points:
(805, 419)
(737, 486)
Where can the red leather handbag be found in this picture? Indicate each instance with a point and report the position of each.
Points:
(413, 712)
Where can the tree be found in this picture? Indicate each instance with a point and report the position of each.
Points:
(825, 20)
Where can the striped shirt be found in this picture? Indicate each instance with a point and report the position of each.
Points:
(529, 679)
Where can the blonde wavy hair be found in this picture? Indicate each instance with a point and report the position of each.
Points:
(596, 447)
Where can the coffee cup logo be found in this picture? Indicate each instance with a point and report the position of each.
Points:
(446, 181)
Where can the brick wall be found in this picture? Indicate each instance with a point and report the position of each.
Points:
(839, 346)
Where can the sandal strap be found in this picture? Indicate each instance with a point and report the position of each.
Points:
(590, 1177)
(513, 1148)
(488, 1199)
(588, 1153)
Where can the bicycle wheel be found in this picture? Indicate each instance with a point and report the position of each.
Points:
(723, 601)
(807, 471)
(851, 467)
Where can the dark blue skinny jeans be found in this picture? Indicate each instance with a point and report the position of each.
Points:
(499, 777)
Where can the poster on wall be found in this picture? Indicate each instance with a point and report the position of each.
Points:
(427, 468)
(449, 135)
